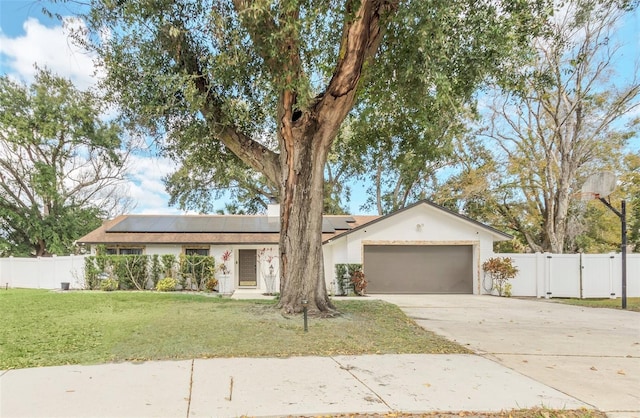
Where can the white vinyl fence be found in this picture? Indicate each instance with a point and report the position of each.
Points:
(540, 275)
(42, 272)
(574, 275)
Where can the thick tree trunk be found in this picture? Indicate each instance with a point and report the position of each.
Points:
(301, 257)
(305, 138)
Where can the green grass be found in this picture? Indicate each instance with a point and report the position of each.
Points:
(44, 328)
(633, 304)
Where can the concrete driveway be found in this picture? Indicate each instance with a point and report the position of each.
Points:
(590, 354)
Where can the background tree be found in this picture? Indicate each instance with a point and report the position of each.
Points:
(234, 72)
(60, 165)
(401, 168)
(564, 118)
(629, 189)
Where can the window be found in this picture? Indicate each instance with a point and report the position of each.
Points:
(130, 251)
(196, 251)
(124, 251)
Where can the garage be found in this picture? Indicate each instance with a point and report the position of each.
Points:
(419, 268)
(422, 248)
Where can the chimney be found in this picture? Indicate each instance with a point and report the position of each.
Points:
(273, 209)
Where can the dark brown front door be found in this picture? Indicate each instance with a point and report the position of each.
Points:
(247, 274)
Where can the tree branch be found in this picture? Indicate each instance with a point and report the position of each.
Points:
(361, 38)
(254, 154)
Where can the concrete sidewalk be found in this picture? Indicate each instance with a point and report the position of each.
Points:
(274, 387)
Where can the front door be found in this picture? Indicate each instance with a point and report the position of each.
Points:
(247, 272)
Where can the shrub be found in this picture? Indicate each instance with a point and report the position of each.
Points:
(507, 290)
(359, 282)
(197, 269)
(141, 272)
(168, 264)
(91, 272)
(168, 284)
(211, 284)
(224, 269)
(155, 269)
(343, 277)
(109, 285)
(501, 269)
(131, 270)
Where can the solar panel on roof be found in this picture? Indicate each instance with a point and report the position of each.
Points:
(215, 223)
(233, 224)
(161, 224)
(339, 222)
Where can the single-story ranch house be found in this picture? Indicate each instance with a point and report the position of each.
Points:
(423, 248)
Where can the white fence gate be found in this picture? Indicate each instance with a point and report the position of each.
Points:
(42, 272)
(574, 275)
(597, 268)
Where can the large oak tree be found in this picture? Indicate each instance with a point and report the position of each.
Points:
(270, 83)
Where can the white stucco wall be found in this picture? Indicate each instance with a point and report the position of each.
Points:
(419, 225)
(162, 249)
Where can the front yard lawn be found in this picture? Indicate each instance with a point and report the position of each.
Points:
(45, 328)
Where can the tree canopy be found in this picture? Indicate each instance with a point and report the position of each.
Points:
(270, 83)
(60, 165)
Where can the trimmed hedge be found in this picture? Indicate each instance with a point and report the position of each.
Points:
(140, 272)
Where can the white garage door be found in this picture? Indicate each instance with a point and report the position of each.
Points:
(419, 268)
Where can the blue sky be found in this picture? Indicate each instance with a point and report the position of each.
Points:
(28, 36)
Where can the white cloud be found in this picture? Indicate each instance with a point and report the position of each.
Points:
(145, 183)
(49, 47)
